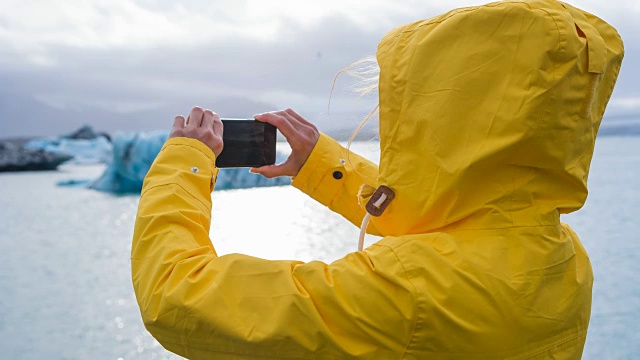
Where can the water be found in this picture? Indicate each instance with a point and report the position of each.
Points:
(65, 273)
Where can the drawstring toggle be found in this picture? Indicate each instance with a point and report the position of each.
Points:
(379, 201)
(376, 205)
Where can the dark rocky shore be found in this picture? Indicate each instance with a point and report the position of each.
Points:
(16, 155)
(17, 158)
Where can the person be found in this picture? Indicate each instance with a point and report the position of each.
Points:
(487, 119)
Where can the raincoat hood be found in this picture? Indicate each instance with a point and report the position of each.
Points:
(488, 118)
(488, 115)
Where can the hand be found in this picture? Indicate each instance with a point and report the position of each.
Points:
(300, 134)
(203, 125)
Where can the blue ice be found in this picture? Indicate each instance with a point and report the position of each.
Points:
(84, 151)
(133, 154)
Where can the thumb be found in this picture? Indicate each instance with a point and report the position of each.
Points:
(268, 171)
(271, 171)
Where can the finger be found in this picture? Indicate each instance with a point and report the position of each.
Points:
(195, 118)
(304, 131)
(207, 119)
(282, 123)
(178, 122)
(178, 127)
(271, 171)
(293, 121)
(218, 127)
(304, 127)
(298, 117)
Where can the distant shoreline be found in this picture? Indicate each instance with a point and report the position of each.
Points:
(19, 141)
(630, 129)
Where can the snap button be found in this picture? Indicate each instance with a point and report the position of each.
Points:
(195, 170)
(342, 161)
(337, 175)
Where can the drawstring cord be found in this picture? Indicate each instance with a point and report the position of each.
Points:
(363, 230)
(365, 221)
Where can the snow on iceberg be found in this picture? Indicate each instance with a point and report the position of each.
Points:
(133, 154)
(84, 151)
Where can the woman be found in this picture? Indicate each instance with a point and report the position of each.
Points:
(488, 117)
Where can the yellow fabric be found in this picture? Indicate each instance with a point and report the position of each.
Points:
(340, 195)
(488, 118)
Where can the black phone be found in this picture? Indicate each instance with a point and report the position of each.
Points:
(247, 143)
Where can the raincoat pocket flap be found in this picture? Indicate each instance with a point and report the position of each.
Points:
(597, 51)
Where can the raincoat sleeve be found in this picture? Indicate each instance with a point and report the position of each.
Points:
(333, 179)
(203, 306)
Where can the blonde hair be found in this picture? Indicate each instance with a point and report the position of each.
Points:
(367, 73)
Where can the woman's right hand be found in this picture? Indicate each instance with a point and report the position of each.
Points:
(301, 135)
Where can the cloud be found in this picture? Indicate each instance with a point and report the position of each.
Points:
(136, 60)
(235, 78)
(223, 67)
(627, 103)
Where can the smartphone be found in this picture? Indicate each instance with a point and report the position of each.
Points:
(247, 143)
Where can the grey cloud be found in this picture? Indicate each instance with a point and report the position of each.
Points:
(236, 76)
(229, 74)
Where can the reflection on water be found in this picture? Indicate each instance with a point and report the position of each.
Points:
(65, 273)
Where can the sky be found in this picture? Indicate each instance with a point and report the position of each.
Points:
(124, 65)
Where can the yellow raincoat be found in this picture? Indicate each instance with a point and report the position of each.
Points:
(488, 118)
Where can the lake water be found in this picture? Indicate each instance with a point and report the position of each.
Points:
(65, 287)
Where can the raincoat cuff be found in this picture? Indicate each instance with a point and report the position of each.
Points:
(186, 162)
(195, 144)
(322, 175)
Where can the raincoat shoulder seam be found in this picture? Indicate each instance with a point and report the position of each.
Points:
(414, 294)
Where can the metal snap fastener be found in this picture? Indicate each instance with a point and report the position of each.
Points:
(337, 175)
(342, 161)
(195, 170)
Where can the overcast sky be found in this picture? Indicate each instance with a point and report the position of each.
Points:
(133, 65)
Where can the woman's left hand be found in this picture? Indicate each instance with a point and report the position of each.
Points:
(203, 125)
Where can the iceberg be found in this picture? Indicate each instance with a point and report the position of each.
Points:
(83, 151)
(85, 146)
(133, 154)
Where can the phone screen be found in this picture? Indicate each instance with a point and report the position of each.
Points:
(247, 143)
